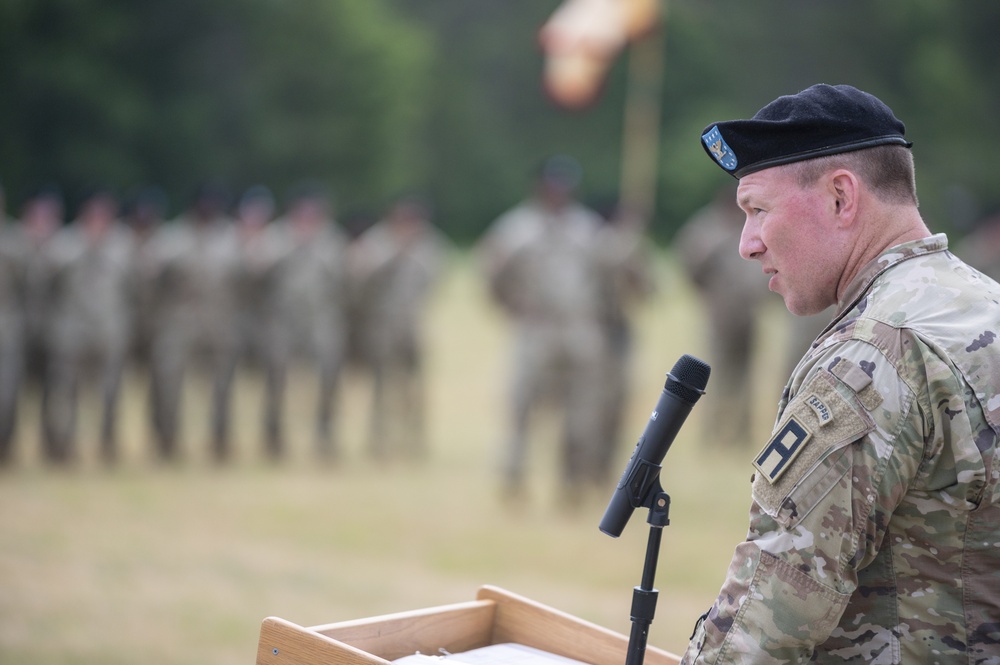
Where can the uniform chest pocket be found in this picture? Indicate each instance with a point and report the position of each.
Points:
(810, 451)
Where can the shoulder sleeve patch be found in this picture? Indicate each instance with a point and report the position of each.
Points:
(782, 449)
(806, 455)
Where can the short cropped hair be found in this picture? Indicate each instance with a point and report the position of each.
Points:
(887, 170)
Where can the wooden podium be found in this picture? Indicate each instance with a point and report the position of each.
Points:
(495, 616)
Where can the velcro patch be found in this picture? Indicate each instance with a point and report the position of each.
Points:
(856, 378)
(782, 449)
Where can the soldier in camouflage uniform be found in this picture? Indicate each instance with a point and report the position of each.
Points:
(393, 267)
(304, 305)
(145, 213)
(875, 523)
(88, 274)
(264, 246)
(13, 250)
(731, 291)
(626, 277)
(541, 264)
(24, 304)
(254, 213)
(41, 216)
(193, 264)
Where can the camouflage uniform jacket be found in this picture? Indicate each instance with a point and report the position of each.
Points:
(875, 524)
(543, 265)
(90, 288)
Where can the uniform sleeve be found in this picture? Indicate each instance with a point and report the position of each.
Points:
(841, 456)
(502, 254)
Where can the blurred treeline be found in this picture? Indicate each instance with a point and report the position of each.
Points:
(376, 97)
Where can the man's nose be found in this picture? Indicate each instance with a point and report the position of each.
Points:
(751, 246)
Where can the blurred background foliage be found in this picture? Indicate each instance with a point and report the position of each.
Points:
(445, 96)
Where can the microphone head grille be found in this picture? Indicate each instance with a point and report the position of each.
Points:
(688, 378)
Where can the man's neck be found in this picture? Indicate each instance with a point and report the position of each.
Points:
(889, 226)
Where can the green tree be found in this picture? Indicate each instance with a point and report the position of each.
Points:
(176, 93)
(376, 96)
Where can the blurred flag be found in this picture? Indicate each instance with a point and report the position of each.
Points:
(583, 37)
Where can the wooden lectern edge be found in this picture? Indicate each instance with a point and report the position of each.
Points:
(456, 627)
(285, 643)
(495, 616)
(407, 615)
(520, 619)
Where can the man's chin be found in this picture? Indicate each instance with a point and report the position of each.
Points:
(795, 308)
(801, 309)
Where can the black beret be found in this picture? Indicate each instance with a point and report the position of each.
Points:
(820, 120)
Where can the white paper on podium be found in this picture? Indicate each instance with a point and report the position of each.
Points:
(508, 653)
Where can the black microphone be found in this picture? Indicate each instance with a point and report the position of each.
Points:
(684, 385)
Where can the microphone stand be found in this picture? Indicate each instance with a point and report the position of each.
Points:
(644, 596)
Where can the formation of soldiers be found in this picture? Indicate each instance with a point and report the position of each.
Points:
(213, 290)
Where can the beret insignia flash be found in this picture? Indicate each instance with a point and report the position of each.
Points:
(719, 149)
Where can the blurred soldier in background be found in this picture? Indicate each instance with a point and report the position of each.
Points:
(627, 279)
(264, 245)
(41, 216)
(88, 273)
(355, 346)
(258, 253)
(305, 311)
(731, 290)
(539, 261)
(145, 213)
(393, 266)
(194, 263)
(13, 250)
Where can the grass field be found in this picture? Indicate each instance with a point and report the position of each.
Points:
(166, 565)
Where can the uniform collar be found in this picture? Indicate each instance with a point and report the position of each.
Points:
(895, 255)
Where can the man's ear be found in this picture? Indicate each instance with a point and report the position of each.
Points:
(845, 187)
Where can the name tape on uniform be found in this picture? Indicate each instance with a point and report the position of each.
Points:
(819, 407)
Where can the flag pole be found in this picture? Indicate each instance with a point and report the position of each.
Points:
(641, 127)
